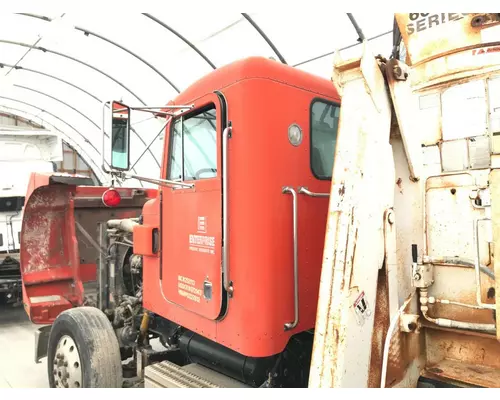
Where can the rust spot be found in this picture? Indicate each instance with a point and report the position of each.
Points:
(380, 326)
(399, 182)
(435, 370)
(466, 296)
(474, 369)
(342, 190)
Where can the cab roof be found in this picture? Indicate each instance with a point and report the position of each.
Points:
(252, 68)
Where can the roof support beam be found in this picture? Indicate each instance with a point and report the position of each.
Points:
(56, 117)
(19, 68)
(343, 48)
(360, 33)
(264, 36)
(65, 123)
(105, 39)
(43, 49)
(94, 68)
(198, 51)
(84, 116)
(59, 101)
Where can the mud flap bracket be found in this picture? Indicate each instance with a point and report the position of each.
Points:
(41, 342)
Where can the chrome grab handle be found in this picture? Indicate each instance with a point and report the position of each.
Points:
(303, 190)
(228, 285)
(291, 325)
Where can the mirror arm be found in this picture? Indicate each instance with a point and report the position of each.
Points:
(160, 182)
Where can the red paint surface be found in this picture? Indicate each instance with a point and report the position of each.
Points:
(50, 261)
(263, 98)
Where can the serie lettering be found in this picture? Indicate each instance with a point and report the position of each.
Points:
(423, 21)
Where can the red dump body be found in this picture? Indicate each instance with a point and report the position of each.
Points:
(56, 258)
(183, 281)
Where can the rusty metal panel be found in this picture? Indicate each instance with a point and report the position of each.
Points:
(495, 216)
(449, 218)
(469, 374)
(406, 110)
(354, 242)
(479, 152)
(431, 160)
(478, 354)
(454, 156)
(428, 35)
(458, 284)
(464, 110)
(494, 112)
(429, 117)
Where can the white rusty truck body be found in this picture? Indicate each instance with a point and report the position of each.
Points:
(21, 153)
(411, 255)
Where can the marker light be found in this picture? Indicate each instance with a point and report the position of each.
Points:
(295, 134)
(111, 198)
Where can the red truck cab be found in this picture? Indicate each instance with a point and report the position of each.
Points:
(281, 125)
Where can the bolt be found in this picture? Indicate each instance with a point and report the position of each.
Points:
(412, 326)
(65, 363)
(417, 277)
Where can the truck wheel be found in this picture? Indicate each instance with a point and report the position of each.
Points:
(83, 351)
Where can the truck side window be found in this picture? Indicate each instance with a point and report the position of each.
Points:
(324, 127)
(200, 149)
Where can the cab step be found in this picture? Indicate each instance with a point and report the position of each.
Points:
(169, 375)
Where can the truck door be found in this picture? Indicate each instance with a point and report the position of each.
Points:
(191, 230)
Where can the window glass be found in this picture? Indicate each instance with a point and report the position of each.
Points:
(196, 135)
(324, 127)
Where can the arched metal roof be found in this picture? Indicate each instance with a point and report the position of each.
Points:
(61, 67)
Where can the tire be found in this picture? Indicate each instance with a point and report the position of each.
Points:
(96, 363)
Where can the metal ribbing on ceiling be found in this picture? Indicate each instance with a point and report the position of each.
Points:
(45, 50)
(92, 67)
(88, 32)
(86, 157)
(176, 33)
(264, 36)
(19, 68)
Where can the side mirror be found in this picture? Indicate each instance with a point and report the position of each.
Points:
(120, 136)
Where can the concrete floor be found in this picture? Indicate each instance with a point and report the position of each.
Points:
(17, 341)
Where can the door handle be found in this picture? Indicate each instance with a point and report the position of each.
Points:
(303, 190)
(291, 325)
(228, 284)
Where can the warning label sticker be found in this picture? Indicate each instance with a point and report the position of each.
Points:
(361, 308)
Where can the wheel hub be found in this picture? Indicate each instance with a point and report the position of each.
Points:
(67, 366)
